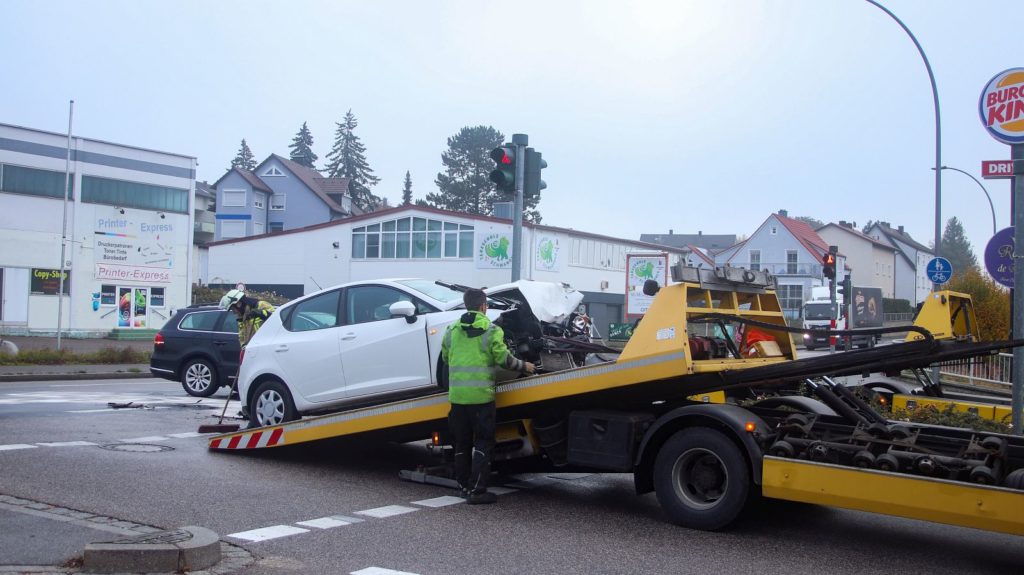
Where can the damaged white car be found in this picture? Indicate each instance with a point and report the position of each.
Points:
(371, 341)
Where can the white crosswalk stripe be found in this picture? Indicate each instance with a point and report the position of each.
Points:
(386, 511)
(267, 533)
(442, 501)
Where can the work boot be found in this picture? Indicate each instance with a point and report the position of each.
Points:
(482, 498)
(464, 493)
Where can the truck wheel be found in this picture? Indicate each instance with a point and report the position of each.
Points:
(199, 378)
(701, 479)
(271, 404)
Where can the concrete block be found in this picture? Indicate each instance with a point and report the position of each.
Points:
(189, 548)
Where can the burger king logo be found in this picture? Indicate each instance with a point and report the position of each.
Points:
(1002, 106)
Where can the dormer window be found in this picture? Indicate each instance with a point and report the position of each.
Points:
(273, 171)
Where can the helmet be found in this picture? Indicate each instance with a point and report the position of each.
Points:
(231, 298)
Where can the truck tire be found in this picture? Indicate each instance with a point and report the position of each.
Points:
(701, 479)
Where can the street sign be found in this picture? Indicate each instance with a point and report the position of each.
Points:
(997, 169)
(939, 270)
(999, 257)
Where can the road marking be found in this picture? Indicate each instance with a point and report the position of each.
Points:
(387, 511)
(442, 501)
(499, 490)
(16, 446)
(379, 571)
(68, 444)
(112, 409)
(185, 435)
(266, 533)
(148, 439)
(328, 522)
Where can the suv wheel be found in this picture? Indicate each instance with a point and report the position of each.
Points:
(199, 378)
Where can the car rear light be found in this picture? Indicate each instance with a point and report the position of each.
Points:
(158, 340)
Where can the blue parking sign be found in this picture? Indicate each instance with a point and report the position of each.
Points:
(939, 270)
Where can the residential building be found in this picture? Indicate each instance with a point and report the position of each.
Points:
(204, 230)
(419, 241)
(790, 250)
(910, 279)
(872, 262)
(125, 234)
(278, 195)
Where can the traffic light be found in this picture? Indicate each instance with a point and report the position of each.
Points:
(845, 289)
(828, 265)
(534, 164)
(504, 174)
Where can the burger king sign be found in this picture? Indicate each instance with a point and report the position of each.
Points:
(1002, 106)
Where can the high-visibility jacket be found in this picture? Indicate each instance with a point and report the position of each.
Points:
(254, 318)
(473, 347)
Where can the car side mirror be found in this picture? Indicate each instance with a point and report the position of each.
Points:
(406, 309)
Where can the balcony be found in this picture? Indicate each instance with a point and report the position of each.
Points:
(205, 227)
(811, 270)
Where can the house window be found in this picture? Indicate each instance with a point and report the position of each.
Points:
(233, 198)
(775, 230)
(791, 297)
(791, 262)
(277, 202)
(133, 195)
(232, 229)
(19, 180)
(276, 227)
(273, 171)
(417, 238)
(258, 200)
(755, 260)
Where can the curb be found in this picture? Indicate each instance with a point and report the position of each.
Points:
(187, 549)
(77, 376)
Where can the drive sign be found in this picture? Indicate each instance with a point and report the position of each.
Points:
(1002, 106)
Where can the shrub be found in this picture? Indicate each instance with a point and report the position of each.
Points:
(991, 302)
(64, 356)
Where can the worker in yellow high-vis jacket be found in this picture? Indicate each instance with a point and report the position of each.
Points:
(474, 348)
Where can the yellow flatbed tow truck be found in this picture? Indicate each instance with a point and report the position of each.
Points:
(706, 420)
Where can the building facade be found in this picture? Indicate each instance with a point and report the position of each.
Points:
(125, 233)
(418, 241)
(872, 262)
(910, 273)
(790, 250)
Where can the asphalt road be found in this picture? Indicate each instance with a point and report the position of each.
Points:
(347, 511)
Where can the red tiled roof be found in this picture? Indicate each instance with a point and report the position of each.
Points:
(805, 234)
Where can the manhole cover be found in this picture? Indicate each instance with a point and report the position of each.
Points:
(137, 447)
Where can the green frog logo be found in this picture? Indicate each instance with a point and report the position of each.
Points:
(547, 253)
(494, 251)
(644, 270)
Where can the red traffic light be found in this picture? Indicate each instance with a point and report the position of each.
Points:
(828, 265)
(505, 156)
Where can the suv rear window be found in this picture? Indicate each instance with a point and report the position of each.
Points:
(200, 321)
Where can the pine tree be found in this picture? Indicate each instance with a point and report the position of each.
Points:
(302, 148)
(956, 248)
(347, 158)
(244, 159)
(465, 186)
(407, 190)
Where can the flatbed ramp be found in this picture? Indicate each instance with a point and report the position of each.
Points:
(625, 382)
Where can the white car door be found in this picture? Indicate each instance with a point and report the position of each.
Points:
(307, 350)
(381, 354)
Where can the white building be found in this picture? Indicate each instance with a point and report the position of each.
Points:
(910, 279)
(872, 262)
(417, 241)
(128, 234)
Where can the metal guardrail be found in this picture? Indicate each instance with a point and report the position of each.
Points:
(992, 369)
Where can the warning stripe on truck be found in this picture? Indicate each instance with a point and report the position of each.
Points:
(250, 440)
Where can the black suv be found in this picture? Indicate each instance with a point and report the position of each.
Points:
(199, 347)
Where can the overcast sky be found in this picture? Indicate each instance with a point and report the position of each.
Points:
(685, 115)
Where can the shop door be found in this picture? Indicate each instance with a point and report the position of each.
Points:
(132, 307)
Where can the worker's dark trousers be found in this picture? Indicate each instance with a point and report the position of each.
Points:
(473, 429)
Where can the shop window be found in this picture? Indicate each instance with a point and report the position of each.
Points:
(156, 297)
(48, 183)
(134, 195)
(108, 294)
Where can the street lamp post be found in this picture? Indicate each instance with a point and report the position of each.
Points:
(938, 128)
(990, 205)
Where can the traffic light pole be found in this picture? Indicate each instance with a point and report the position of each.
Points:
(520, 141)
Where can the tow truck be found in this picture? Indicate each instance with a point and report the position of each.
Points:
(708, 421)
